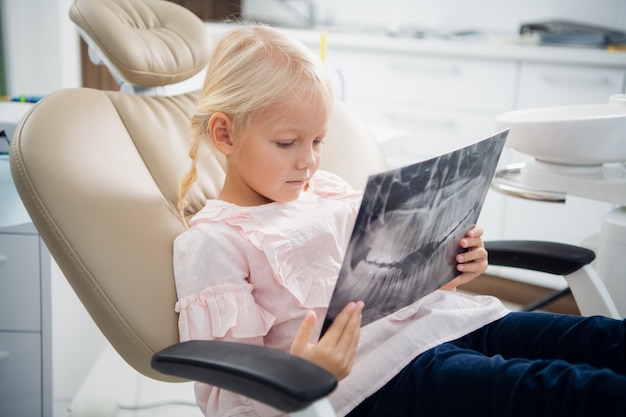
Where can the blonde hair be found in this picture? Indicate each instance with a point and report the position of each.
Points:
(253, 68)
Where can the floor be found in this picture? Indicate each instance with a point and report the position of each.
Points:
(129, 394)
(89, 377)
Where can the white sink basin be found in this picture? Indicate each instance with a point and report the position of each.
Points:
(571, 135)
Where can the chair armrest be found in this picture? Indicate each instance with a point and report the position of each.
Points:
(550, 257)
(276, 378)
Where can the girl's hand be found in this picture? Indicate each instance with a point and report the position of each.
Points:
(472, 262)
(336, 349)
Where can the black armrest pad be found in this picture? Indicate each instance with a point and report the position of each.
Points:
(276, 378)
(550, 257)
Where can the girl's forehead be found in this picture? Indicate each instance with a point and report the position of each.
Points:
(301, 113)
(294, 107)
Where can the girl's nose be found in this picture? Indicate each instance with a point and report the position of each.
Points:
(307, 159)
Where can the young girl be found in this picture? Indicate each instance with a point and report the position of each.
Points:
(258, 265)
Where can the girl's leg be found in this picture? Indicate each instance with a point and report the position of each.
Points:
(596, 341)
(449, 381)
(524, 364)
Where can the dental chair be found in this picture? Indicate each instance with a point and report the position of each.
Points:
(98, 172)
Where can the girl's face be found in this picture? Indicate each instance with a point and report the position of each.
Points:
(275, 158)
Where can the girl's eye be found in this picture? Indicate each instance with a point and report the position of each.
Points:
(318, 141)
(285, 144)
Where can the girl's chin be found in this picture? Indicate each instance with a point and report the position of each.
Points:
(288, 197)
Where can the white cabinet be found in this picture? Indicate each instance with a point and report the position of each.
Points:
(442, 102)
(20, 309)
(560, 84)
(442, 81)
(25, 324)
(20, 374)
(25, 309)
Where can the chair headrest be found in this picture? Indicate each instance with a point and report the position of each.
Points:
(146, 43)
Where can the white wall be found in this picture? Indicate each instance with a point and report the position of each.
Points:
(42, 50)
(493, 15)
(41, 46)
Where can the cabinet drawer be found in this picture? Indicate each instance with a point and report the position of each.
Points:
(20, 375)
(20, 300)
(555, 85)
(431, 131)
(453, 82)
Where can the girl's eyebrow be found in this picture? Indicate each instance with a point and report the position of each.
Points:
(285, 131)
(296, 131)
(292, 131)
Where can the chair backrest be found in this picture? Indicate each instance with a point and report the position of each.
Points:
(98, 173)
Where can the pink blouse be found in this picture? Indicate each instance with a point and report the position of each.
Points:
(250, 274)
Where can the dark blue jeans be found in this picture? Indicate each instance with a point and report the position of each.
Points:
(525, 364)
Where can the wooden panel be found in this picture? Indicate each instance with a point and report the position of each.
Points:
(213, 10)
(520, 293)
(95, 76)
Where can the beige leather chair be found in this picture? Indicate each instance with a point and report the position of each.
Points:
(98, 172)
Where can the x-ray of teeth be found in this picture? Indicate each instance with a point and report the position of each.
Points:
(409, 226)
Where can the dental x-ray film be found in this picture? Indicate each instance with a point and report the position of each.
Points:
(408, 229)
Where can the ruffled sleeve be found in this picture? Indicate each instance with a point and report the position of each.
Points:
(215, 299)
(217, 310)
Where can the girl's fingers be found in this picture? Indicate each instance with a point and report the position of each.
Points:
(475, 232)
(471, 263)
(472, 255)
(301, 341)
(336, 329)
(335, 351)
(343, 335)
(471, 242)
(341, 339)
(472, 268)
(350, 333)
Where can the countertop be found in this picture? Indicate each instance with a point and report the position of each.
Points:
(479, 46)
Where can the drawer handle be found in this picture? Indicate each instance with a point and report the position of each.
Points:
(4, 355)
(425, 122)
(593, 82)
(440, 70)
(3, 258)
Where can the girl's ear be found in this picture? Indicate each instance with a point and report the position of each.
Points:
(220, 128)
